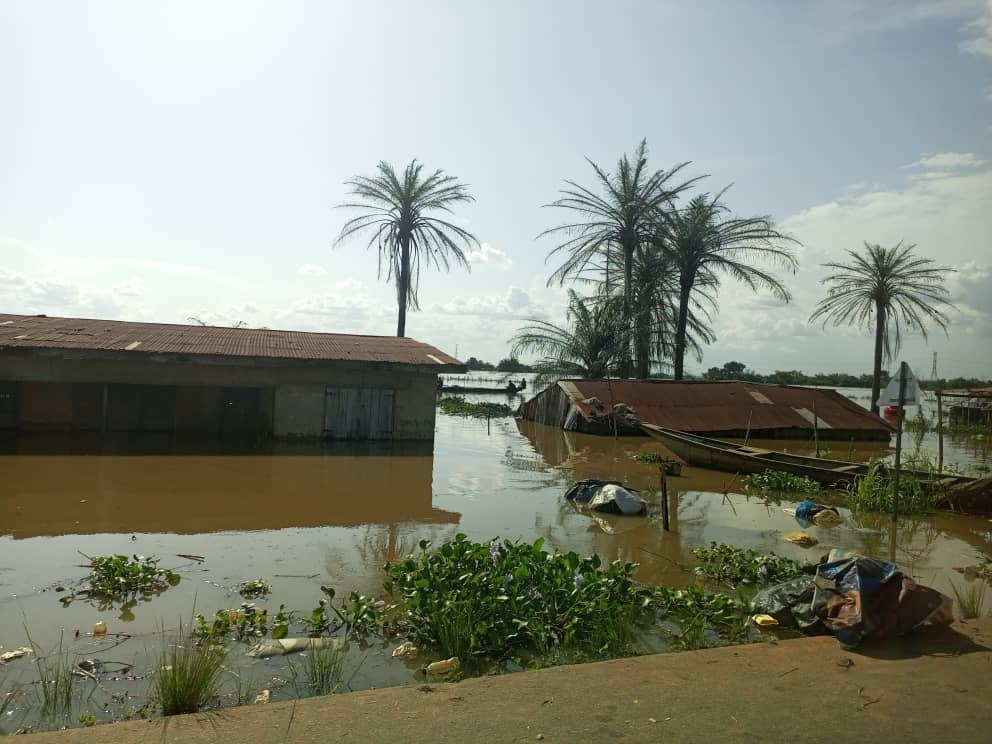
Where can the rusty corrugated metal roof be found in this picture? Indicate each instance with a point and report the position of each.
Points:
(81, 334)
(699, 406)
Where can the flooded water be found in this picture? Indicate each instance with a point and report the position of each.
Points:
(305, 516)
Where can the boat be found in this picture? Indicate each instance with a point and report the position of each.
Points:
(477, 390)
(740, 458)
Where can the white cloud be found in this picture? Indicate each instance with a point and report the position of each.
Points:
(311, 270)
(979, 32)
(946, 161)
(54, 296)
(487, 255)
(132, 287)
(947, 216)
(515, 303)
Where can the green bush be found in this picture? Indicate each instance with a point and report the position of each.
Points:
(873, 492)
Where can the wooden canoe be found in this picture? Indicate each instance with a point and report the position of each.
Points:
(717, 454)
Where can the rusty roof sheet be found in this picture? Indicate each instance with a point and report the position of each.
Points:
(42, 332)
(724, 406)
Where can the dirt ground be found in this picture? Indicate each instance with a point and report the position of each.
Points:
(932, 686)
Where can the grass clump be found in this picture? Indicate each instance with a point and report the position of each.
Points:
(322, 669)
(874, 491)
(189, 675)
(778, 480)
(503, 600)
(456, 405)
(971, 598)
(120, 577)
(56, 671)
(736, 566)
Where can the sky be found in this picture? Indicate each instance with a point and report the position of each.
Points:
(166, 160)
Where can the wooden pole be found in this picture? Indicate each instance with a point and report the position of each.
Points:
(940, 429)
(902, 415)
(665, 525)
(747, 433)
(816, 429)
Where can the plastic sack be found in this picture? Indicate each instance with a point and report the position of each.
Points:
(606, 497)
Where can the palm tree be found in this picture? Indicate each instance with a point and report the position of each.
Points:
(396, 209)
(654, 308)
(590, 347)
(623, 216)
(891, 286)
(705, 242)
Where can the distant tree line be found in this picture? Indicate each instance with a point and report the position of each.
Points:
(508, 364)
(738, 371)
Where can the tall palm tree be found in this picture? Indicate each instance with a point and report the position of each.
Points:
(892, 287)
(654, 307)
(397, 209)
(589, 347)
(704, 241)
(621, 211)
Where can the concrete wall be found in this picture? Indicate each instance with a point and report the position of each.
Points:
(291, 401)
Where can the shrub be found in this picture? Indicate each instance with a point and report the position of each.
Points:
(724, 563)
(188, 678)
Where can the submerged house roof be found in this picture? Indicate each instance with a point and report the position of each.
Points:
(41, 333)
(714, 408)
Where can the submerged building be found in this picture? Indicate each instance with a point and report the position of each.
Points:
(74, 374)
(720, 409)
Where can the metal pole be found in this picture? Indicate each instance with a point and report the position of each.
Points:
(664, 500)
(940, 429)
(902, 415)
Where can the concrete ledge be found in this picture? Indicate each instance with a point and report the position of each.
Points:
(934, 686)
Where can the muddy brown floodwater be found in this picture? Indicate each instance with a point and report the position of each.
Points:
(308, 515)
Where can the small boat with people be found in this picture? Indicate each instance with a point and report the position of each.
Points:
(718, 454)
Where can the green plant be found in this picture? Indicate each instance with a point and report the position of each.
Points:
(456, 405)
(504, 599)
(254, 588)
(724, 563)
(56, 671)
(649, 458)
(188, 677)
(777, 480)
(322, 669)
(87, 719)
(244, 622)
(873, 492)
(970, 599)
(120, 577)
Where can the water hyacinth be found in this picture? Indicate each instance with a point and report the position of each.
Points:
(499, 600)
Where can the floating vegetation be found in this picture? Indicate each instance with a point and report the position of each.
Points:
(778, 480)
(254, 588)
(873, 492)
(188, 678)
(650, 458)
(703, 619)
(724, 563)
(456, 405)
(503, 599)
(240, 623)
(120, 577)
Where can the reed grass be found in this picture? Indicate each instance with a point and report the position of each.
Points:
(971, 598)
(189, 674)
(322, 669)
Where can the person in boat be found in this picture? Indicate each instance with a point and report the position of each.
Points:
(511, 389)
(523, 384)
(440, 383)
